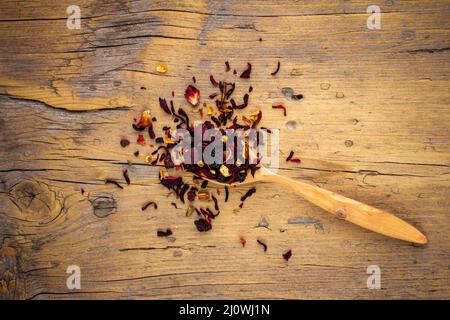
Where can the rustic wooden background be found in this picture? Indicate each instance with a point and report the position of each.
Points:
(374, 126)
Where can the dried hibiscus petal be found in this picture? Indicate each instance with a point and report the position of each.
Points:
(213, 81)
(287, 254)
(202, 225)
(145, 120)
(164, 106)
(280, 106)
(124, 142)
(278, 69)
(114, 182)
(227, 193)
(192, 95)
(249, 193)
(126, 176)
(140, 139)
(243, 241)
(246, 73)
(148, 204)
(262, 244)
(291, 154)
(164, 233)
(192, 193)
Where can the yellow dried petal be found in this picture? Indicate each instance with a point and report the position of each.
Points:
(162, 174)
(203, 195)
(168, 140)
(210, 111)
(148, 159)
(224, 171)
(190, 211)
(161, 68)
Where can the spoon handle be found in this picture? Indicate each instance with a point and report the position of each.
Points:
(351, 210)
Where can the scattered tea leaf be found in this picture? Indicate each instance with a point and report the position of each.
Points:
(262, 244)
(164, 233)
(287, 255)
(148, 204)
(126, 176)
(114, 182)
(278, 69)
(124, 142)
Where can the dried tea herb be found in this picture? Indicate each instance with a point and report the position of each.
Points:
(164, 106)
(262, 244)
(192, 95)
(124, 142)
(192, 194)
(280, 106)
(291, 154)
(290, 158)
(126, 176)
(227, 66)
(249, 193)
(190, 210)
(148, 204)
(221, 116)
(213, 81)
(216, 204)
(183, 190)
(243, 241)
(114, 182)
(202, 225)
(287, 255)
(174, 205)
(141, 139)
(246, 73)
(164, 233)
(136, 153)
(278, 69)
(227, 194)
(160, 68)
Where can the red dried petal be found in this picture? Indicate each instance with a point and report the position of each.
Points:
(243, 241)
(280, 106)
(141, 139)
(192, 95)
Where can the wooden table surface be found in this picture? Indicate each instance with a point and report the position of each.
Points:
(374, 126)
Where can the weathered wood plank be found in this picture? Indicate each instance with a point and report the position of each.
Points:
(373, 126)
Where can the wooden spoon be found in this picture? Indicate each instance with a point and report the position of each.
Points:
(344, 208)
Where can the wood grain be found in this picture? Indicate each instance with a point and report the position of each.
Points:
(373, 126)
